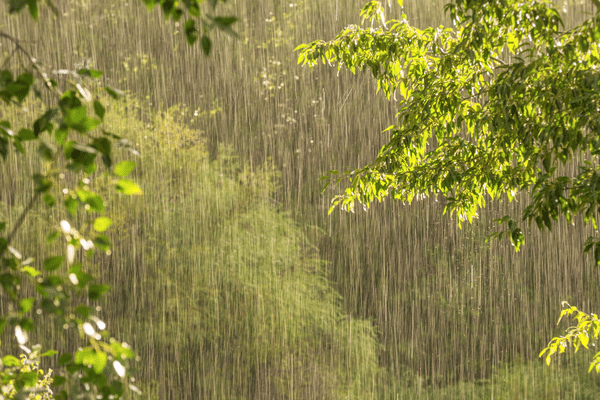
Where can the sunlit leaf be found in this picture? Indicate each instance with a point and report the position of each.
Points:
(10, 361)
(31, 271)
(102, 223)
(124, 168)
(26, 304)
(128, 187)
(90, 72)
(53, 263)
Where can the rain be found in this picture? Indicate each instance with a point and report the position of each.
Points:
(229, 278)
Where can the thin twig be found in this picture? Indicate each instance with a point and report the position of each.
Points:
(20, 221)
(9, 57)
(32, 61)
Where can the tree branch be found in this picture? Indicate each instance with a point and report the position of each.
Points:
(14, 230)
(33, 62)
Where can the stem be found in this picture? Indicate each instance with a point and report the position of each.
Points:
(32, 61)
(20, 221)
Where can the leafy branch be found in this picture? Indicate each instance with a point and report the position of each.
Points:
(472, 123)
(64, 290)
(583, 335)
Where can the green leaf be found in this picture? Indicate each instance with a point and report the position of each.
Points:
(71, 205)
(61, 135)
(88, 356)
(89, 72)
(31, 271)
(114, 93)
(14, 6)
(19, 145)
(128, 187)
(53, 263)
(6, 77)
(224, 23)
(25, 305)
(49, 353)
(84, 311)
(84, 356)
(26, 134)
(121, 351)
(11, 361)
(43, 123)
(95, 292)
(46, 151)
(69, 101)
(584, 339)
(28, 378)
(3, 147)
(49, 200)
(206, 45)
(80, 154)
(33, 9)
(75, 116)
(83, 278)
(547, 162)
(42, 183)
(99, 109)
(52, 237)
(191, 33)
(94, 201)
(102, 242)
(65, 359)
(124, 168)
(102, 223)
(99, 361)
(15, 89)
(58, 380)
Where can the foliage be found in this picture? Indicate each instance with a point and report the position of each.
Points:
(516, 380)
(494, 106)
(244, 291)
(70, 144)
(584, 334)
(174, 11)
(26, 372)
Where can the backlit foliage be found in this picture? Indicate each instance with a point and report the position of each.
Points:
(490, 107)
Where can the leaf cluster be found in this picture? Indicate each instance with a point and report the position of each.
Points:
(492, 107)
(67, 143)
(584, 334)
(176, 10)
(72, 147)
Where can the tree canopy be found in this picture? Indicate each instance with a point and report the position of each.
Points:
(496, 105)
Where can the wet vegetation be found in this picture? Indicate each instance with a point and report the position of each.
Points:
(230, 280)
